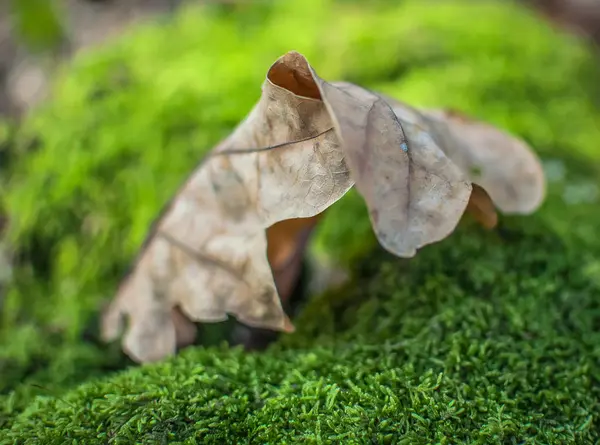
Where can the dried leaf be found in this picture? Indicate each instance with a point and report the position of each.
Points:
(208, 254)
(231, 241)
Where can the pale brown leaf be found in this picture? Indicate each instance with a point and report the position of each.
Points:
(414, 193)
(230, 242)
(208, 253)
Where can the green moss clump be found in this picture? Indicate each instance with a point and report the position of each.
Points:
(472, 342)
(483, 338)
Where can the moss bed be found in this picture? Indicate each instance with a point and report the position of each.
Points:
(486, 337)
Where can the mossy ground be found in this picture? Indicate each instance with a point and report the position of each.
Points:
(482, 338)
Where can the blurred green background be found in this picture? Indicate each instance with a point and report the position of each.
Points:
(484, 338)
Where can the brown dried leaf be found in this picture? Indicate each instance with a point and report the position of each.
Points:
(233, 235)
(208, 254)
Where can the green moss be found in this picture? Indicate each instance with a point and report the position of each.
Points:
(471, 342)
(487, 338)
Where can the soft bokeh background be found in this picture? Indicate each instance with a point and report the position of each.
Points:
(85, 170)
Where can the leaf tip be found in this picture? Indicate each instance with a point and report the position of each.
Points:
(288, 326)
(293, 73)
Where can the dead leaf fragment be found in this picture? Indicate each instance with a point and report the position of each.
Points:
(229, 243)
(503, 165)
(414, 193)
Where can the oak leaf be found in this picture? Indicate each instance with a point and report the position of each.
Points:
(225, 244)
